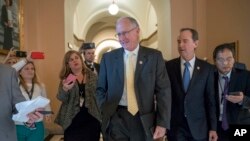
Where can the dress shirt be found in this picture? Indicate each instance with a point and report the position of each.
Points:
(123, 101)
(191, 66)
(221, 83)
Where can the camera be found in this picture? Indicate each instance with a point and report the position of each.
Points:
(21, 53)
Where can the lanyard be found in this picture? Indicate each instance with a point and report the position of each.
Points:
(30, 93)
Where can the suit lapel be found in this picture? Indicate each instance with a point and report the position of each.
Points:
(216, 83)
(233, 80)
(217, 93)
(141, 61)
(119, 66)
(177, 70)
(196, 73)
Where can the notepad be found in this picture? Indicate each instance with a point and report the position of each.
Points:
(26, 107)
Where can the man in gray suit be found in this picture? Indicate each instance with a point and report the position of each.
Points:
(193, 115)
(10, 94)
(151, 88)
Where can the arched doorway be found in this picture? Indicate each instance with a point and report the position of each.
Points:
(91, 22)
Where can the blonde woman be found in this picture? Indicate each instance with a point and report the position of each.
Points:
(16, 62)
(31, 88)
(78, 114)
(11, 58)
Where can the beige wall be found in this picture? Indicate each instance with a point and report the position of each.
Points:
(44, 31)
(228, 21)
(217, 21)
(189, 13)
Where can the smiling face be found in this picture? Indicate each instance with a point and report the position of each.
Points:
(128, 33)
(186, 45)
(28, 72)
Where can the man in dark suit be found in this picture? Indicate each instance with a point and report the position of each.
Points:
(150, 87)
(88, 50)
(10, 95)
(232, 101)
(193, 115)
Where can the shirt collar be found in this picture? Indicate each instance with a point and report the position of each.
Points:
(89, 63)
(191, 62)
(228, 74)
(135, 51)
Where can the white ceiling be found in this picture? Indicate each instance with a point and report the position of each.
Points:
(91, 16)
(89, 20)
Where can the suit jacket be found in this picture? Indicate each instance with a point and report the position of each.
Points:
(197, 105)
(151, 80)
(239, 81)
(10, 94)
(97, 67)
(68, 109)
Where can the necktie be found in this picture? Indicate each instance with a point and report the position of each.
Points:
(132, 103)
(224, 124)
(186, 76)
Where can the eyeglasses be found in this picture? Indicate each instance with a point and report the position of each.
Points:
(222, 60)
(124, 33)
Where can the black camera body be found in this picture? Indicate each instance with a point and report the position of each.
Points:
(21, 53)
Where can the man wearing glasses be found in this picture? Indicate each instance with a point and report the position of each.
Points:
(131, 79)
(232, 87)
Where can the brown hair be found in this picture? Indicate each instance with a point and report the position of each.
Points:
(194, 33)
(65, 71)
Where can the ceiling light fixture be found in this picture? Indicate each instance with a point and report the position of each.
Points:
(113, 8)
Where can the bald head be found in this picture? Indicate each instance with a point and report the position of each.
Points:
(127, 19)
(128, 31)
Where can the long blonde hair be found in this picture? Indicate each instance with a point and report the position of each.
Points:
(35, 79)
(65, 71)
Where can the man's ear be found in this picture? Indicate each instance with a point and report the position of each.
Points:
(196, 43)
(138, 30)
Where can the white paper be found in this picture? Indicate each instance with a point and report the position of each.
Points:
(26, 107)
